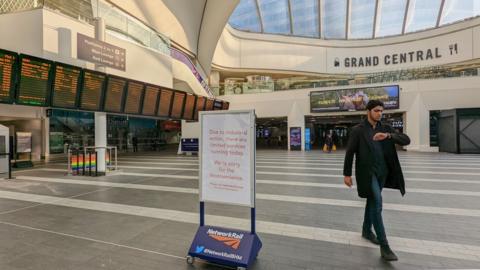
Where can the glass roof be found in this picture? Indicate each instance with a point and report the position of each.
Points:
(349, 19)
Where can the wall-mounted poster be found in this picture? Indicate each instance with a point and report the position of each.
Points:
(24, 142)
(295, 138)
(354, 99)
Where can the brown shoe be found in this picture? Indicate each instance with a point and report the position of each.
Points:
(370, 236)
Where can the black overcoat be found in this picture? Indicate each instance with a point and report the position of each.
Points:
(362, 147)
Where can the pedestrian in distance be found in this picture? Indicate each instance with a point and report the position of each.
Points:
(135, 144)
(376, 167)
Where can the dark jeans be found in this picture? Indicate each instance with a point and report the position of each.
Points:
(373, 213)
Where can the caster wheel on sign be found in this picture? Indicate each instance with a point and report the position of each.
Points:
(190, 259)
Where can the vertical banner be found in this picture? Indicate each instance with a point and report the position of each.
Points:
(308, 146)
(24, 142)
(295, 138)
(227, 157)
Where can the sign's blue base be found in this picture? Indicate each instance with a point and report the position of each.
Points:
(225, 246)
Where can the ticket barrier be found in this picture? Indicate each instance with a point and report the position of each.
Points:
(82, 162)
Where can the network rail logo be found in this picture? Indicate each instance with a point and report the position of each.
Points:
(230, 239)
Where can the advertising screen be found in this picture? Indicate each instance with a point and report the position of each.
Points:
(295, 138)
(165, 102)
(150, 99)
(134, 97)
(177, 106)
(92, 88)
(34, 81)
(200, 106)
(114, 94)
(7, 66)
(65, 86)
(189, 106)
(354, 99)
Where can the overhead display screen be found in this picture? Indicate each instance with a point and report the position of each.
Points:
(353, 99)
(177, 106)
(150, 100)
(189, 106)
(209, 105)
(34, 81)
(134, 97)
(218, 105)
(7, 65)
(164, 104)
(114, 94)
(200, 106)
(91, 95)
(65, 86)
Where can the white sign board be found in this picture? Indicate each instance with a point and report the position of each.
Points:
(24, 142)
(227, 157)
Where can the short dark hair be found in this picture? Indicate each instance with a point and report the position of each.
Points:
(374, 103)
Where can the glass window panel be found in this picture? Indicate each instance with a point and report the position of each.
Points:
(245, 17)
(362, 14)
(334, 13)
(422, 14)
(457, 10)
(275, 16)
(305, 17)
(390, 17)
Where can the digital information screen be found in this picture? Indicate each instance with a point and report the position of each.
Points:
(209, 105)
(7, 64)
(65, 86)
(189, 106)
(114, 94)
(164, 104)
(134, 96)
(354, 99)
(150, 100)
(226, 105)
(34, 81)
(218, 105)
(177, 106)
(200, 106)
(91, 96)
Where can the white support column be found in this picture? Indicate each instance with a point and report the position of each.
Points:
(101, 140)
(418, 126)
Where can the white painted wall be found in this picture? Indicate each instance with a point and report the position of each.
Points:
(252, 51)
(417, 98)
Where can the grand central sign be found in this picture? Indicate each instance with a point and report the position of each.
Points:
(394, 58)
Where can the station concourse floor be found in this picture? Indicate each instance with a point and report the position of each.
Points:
(145, 217)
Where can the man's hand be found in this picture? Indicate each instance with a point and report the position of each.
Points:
(381, 136)
(348, 181)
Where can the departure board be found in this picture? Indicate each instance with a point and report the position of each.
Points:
(177, 106)
(218, 105)
(226, 105)
(7, 65)
(91, 95)
(150, 100)
(134, 96)
(34, 81)
(65, 86)
(114, 94)
(165, 101)
(200, 106)
(189, 106)
(209, 105)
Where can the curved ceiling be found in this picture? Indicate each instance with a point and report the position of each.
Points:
(349, 19)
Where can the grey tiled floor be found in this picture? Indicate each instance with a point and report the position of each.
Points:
(51, 236)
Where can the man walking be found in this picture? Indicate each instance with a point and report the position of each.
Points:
(376, 166)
